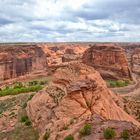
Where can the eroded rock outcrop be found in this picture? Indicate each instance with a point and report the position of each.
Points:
(58, 53)
(109, 60)
(135, 61)
(77, 93)
(17, 60)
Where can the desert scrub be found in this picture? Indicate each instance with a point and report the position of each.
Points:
(117, 83)
(109, 133)
(125, 134)
(86, 130)
(17, 90)
(69, 137)
(46, 136)
(26, 120)
(24, 87)
(56, 93)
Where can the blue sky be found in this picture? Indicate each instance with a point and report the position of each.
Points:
(69, 20)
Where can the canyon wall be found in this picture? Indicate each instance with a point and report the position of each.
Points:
(20, 60)
(109, 60)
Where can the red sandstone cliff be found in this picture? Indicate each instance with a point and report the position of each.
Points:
(109, 60)
(21, 59)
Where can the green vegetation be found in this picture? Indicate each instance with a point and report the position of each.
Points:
(117, 83)
(86, 130)
(46, 136)
(23, 130)
(69, 137)
(25, 120)
(125, 134)
(20, 133)
(17, 88)
(109, 133)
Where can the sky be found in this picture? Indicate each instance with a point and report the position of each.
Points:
(69, 20)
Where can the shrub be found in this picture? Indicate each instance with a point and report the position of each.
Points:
(28, 123)
(33, 83)
(69, 137)
(86, 130)
(46, 136)
(43, 82)
(18, 85)
(125, 134)
(109, 133)
(120, 83)
(25, 119)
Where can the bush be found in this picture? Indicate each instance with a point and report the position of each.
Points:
(125, 134)
(43, 82)
(69, 137)
(25, 119)
(109, 133)
(18, 85)
(46, 136)
(86, 130)
(33, 83)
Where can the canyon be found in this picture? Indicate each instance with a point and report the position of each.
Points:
(76, 92)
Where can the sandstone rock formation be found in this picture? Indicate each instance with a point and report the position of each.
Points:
(135, 61)
(17, 60)
(76, 94)
(109, 60)
(58, 53)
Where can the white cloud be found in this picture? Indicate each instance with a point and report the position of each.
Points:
(61, 20)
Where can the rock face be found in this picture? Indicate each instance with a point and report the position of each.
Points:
(109, 60)
(58, 53)
(77, 93)
(135, 61)
(20, 60)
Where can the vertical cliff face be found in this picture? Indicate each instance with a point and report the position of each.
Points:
(20, 60)
(135, 61)
(109, 60)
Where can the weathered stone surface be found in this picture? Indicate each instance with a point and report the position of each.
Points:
(135, 58)
(58, 53)
(77, 93)
(19, 60)
(109, 60)
(70, 57)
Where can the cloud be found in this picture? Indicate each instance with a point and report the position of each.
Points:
(61, 20)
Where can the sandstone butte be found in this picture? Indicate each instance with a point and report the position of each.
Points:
(77, 95)
(109, 59)
(17, 60)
